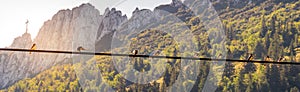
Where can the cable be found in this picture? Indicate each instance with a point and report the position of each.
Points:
(119, 3)
(148, 56)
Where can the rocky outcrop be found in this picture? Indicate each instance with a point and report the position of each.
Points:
(171, 8)
(110, 22)
(23, 41)
(140, 18)
(67, 30)
(15, 65)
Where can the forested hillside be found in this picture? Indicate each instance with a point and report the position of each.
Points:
(262, 28)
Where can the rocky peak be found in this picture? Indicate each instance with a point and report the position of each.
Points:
(136, 10)
(109, 23)
(22, 42)
(112, 12)
(141, 13)
(107, 10)
(67, 30)
(85, 6)
(111, 20)
(176, 3)
(139, 18)
(171, 8)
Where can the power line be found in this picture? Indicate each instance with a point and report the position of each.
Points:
(119, 3)
(148, 56)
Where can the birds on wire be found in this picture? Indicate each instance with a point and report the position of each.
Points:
(157, 52)
(34, 47)
(267, 58)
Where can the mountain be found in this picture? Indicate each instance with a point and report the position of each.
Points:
(67, 30)
(262, 27)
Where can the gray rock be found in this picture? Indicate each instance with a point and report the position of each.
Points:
(68, 29)
(65, 31)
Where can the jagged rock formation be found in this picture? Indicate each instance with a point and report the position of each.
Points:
(139, 18)
(14, 64)
(23, 41)
(170, 8)
(110, 22)
(67, 30)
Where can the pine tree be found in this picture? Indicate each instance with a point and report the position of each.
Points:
(264, 29)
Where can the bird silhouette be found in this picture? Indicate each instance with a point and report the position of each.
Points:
(280, 59)
(33, 47)
(135, 52)
(80, 48)
(196, 55)
(220, 56)
(268, 58)
(250, 57)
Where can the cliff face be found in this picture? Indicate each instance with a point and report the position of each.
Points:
(110, 22)
(67, 30)
(15, 65)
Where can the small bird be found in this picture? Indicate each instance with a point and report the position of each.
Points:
(134, 52)
(250, 57)
(80, 48)
(128, 89)
(268, 58)
(196, 55)
(280, 59)
(220, 56)
(33, 47)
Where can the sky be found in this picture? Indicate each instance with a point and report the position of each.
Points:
(14, 13)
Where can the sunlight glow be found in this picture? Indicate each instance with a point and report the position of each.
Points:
(14, 13)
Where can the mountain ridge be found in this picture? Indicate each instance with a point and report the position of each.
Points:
(65, 31)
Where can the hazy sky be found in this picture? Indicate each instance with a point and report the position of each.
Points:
(14, 13)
